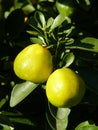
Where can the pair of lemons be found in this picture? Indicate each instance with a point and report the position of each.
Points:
(64, 88)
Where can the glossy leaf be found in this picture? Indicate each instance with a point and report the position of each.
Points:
(50, 22)
(57, 21)
(60, 117)
(86, 126)
(69, 58)
(21, 91)
(28, 9)
(90, 43)
(36, 40)
(40, 19)
(87, 44)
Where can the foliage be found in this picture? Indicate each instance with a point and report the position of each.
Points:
(73, 43)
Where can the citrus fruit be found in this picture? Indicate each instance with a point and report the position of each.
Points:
(33, 63)
(65, 88)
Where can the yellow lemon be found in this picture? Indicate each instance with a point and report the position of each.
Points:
(65, 88)
(33, 63)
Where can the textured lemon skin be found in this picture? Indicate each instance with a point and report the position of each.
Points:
(64, 88)
(33, 63)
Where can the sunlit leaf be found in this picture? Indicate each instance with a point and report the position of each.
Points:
(60, 117)
(40, 18)
(28, 9)
(58, 21)
(86, 123)
(35, 33)
(90, 43)
(69, 58)
(87, 44)
(50, 22)
(21, 91)
(86, 126)
(36, 40)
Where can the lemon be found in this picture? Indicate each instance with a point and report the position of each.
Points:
(65, 88)
(33, 63)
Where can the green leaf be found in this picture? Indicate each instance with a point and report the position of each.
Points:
(58, 118)
(5, 123)
(37, 30)
(87, 44)
(21, 91)
(40, 18)
(62, 118)
(58, 21)
(86, 126)
(35, 33)
(15, 117)
(22, 120)
(36, 40)
(69, 59)
(27, 9)
(90, 43)
(86, 123)
(50, 22)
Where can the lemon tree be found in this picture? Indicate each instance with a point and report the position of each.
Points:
(65, 88)
(63, 34)
(33, 63)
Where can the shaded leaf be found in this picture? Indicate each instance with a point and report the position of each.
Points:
(85, 4)
(36, 29)
(90, 76)
(21, 91)
(15, 117)
(5, 123)
(14, 23)
(51, 121)
(21, 120)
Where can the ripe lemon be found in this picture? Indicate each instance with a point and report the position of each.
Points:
(33, 63)
(65, 88)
